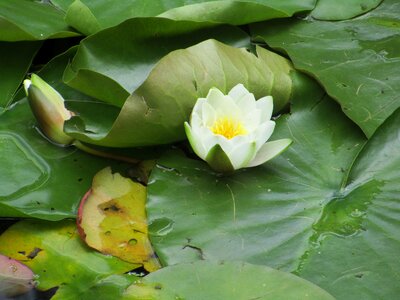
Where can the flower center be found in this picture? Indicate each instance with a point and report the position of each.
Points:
(228, 128)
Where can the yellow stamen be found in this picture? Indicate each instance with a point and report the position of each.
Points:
(228, 128)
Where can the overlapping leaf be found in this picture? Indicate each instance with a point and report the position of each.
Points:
(112, 64)
(58, 257)
(342, 9)
(112, 219)
(155, 112)
(38, 178)
(357, 61)
(15, 61)
(224, 280)
(23, 20)
(92, 16)
(300, 212)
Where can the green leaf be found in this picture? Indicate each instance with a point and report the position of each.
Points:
(334, 10)
(262, 215)
(321, 209)
(16, 58)
(54, 251)
(112, 64)
(357, 61)
(28, 20)
(38, 178)
(91, 16)
(353, 267)
(156, 111)
(224, 280)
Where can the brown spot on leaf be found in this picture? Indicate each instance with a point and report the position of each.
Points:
(34, 253)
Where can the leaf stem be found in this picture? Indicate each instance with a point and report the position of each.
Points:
(99, 153)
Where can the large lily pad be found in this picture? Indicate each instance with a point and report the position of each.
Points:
(225, 280)
(155, 112)
(112, 219)
(23, 20)
(357, 61)
(58, 257)
(92, 16)
(278, 214)
(31, 167)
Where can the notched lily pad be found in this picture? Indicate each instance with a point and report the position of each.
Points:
(223, 280)
(112, 219)
(15, 277)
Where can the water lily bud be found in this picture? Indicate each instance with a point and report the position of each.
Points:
(48, 107)
(230, 131)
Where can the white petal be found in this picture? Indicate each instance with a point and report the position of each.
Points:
(252, 120)
(195, 141)
(238, 91)
(266, 105)
(242, 155)
(209, 115)
(198, 107)
(208, 138)
(196, 121)
(223, 105)
(228, 145)
(270, 150)
(247, 102)
(263, 133)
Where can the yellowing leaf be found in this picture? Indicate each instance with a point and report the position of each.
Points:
(112, 219)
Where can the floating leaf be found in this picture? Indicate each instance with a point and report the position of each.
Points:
(113, 63)
(56, 254)
(321, 209)
(112, 219)
(156, 111)
(342, 9)
(15, 277)
(225, 280)
(357, 61)
(92, 16)
(23, 20)
(31, 167)
(15, 62)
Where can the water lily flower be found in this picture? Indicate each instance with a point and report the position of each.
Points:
(48, 107)
(230, 131)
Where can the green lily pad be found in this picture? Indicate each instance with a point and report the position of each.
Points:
(357, 61)
(224, 280)
(54, 251)
(30, 186)
(112, 219)
(334, 10)
(319, 209)
(23, 20)
(91, 16)
(15, 63)
(155, 112)
(113, 63)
